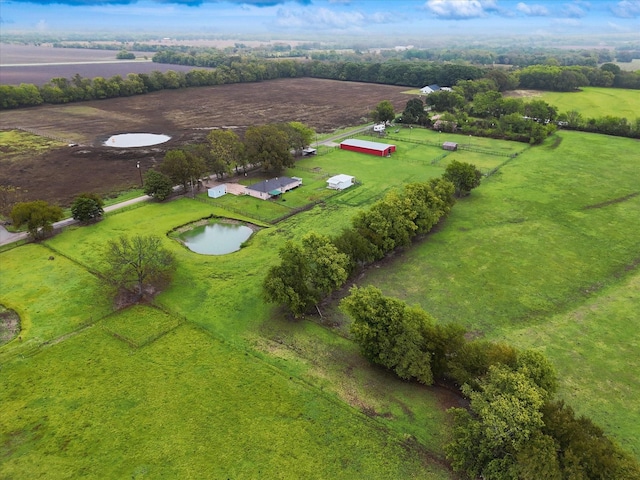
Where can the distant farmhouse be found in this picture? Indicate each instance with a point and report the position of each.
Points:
(365, 146)
(273, 187)
(433, 88)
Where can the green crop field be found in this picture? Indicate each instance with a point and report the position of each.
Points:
(594, 102)
(211, 379)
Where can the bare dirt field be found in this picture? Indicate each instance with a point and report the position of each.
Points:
(59, 174)
(38, 64)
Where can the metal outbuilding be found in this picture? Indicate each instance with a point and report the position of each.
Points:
(365, 146)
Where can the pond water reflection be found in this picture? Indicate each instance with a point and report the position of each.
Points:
(129, 140)
(216, 239)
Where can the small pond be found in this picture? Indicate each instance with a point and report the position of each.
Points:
(216, 238)
(129, 140)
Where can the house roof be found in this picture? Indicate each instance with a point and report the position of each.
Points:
(340, 178)
(434, 87)
(267, 186)
(354, 142)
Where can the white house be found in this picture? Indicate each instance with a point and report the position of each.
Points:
(340, 182)
(380, 128)
(217, 191)
(273, 187)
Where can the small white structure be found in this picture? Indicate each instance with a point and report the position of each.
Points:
(308, 151)
(217, 191)
(380, 128)
(340, 182)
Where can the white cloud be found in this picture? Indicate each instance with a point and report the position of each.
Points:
(532, 10)
(574, 10)
(460, 9)
(566, 22)
(626, 9)
(326, 18)
(618, 28)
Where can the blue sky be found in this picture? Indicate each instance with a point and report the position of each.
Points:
(323, 18)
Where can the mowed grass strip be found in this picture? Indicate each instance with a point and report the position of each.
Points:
(183, 407)
(594, 102)
(528, 245)
(139, 325)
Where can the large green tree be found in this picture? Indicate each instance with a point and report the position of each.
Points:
(307, 273)
(226, 152)
(157, 185)
(87, 207)
(138, 264)
(464, 176)
(390, 333)
(268, 146)
(505, 416)
(383, 112)
(183, 167)
(38, 216)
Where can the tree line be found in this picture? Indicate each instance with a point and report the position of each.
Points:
(242, 69)
(513, 428)
(309, 271)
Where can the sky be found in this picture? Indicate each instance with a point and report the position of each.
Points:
(324, 18)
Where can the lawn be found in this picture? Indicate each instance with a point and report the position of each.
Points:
(594, 102)
(212, 379)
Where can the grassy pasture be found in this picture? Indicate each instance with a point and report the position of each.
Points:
(543, 237)
(183, 405)
(594, 102)
(218, 381)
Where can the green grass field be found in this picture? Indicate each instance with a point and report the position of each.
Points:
(212, 379)
(545, 237)
(594, 102)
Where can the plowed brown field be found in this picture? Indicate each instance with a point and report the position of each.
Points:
(187, 115)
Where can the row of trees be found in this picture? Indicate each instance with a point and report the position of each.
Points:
(310, 271)
(237, 69)
(513, 428)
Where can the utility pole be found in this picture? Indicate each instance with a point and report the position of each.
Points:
(140, 172)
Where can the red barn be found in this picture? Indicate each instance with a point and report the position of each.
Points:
(365, 146)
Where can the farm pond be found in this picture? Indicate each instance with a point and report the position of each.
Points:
(215, 238)
(129, 140)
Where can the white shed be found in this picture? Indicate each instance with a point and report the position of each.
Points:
(380, 128)
(217, 191)
(340, 182)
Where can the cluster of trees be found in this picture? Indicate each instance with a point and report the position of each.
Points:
(38, 217)
(309, 272)
(513, 428)
(267, 146)
(478, 108)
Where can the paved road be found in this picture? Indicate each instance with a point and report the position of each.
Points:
(8, 237)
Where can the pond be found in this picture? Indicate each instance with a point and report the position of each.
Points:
(129, 140)
(216, 238)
